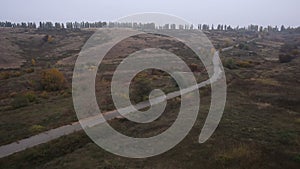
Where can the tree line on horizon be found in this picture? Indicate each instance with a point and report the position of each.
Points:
(82, 25)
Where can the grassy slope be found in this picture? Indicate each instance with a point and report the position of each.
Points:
(260, 129)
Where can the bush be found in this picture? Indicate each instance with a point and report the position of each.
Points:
(141, 89)
(297, 158)
(48, 38)
(53, 80)
(295, 52)
(7, 75)
(244, 64)
(230, 64)
(44, 95)
(20, 101)
(194, 67)
(16, 74)
(33, 62)
(243, 46)
(36, 128)
(285, 58)
(4, 75)
(31, 96)
(29, 70)
(288, 52)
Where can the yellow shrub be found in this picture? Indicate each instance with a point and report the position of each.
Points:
(31, 96)
(244, 64)
(4, 75)
(29, 70)
(50, 39)
(52, 80)
(33, 62)
(267, 81)
(36, 128)
(44, 95)
(7, 75)
(16, 74)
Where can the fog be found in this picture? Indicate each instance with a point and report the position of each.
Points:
(233, 12)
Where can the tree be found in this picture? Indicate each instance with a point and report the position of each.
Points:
(282, 28)
(199, 26)
(8, 24)
(69, 25)
(57, 25)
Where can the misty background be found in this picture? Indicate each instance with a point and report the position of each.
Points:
(233, 12)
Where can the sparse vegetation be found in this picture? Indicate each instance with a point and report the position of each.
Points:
(240, 155)
(259, 128)
(20, 101)
(10, 74)
(267, 81)
(288, 52)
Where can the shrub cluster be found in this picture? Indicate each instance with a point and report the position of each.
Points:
(52, 80)
(141, 89)
(22, 100)
(7, 75)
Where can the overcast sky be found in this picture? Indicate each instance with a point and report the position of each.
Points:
(234, 12)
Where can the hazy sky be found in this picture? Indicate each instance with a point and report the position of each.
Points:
(234, 12)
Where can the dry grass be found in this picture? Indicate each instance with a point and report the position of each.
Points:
(36, 128)
(239, 155)
(297, 120)
(11, 74)
(267, 81)
(244, 64)
(263, 105)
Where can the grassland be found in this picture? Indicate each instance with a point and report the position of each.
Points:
(260, 127)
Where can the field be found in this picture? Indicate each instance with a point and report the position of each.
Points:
(260, 127)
